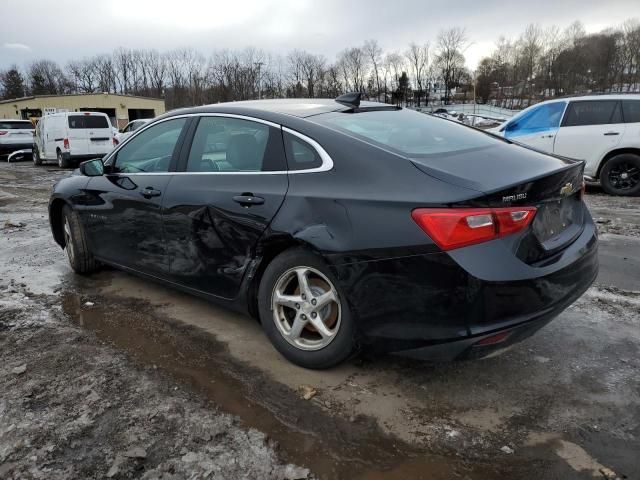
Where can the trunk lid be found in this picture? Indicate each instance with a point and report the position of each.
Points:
(509, 175)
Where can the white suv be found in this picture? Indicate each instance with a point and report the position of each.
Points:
(15, 135)
(131, 127)
(604, 131)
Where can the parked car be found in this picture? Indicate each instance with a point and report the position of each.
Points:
(15, 135)
(340, 225)
(604, 131)
(71, 137)
(131, 127)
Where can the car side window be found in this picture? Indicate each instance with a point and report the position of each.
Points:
(227, 144)
(300, 155)
(539, 119)
(631, 111)
(591, 112)
(151, 150)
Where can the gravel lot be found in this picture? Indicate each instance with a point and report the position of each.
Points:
(111, 375)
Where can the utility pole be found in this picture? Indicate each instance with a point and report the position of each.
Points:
(259, 65)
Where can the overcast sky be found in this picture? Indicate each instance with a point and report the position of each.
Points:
(62, 30)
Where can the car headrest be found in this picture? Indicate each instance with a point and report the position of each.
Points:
(243, 152)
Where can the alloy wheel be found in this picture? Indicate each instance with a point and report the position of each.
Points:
(624, 176)
(306, 308)
(67, 240)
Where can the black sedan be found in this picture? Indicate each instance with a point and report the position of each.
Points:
(340, 225)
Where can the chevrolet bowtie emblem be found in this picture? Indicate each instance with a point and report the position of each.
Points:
(567, 189)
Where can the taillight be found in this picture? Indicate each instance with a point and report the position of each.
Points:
(65, 143)
(114, 141)
(3, 132)
(453, 228)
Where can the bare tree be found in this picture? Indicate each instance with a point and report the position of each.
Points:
(418, 57)
(46, 78)
(449, 57)
(374, 53)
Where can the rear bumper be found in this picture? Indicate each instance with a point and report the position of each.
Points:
(429, 306)
(474, 347)
(6, 148)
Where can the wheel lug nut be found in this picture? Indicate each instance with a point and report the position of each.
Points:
(298, 306)
(304, 317)
(304, 297)
(314, 315)
(314, 301)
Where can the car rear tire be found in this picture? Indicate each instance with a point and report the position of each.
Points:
(62, 162)
(80, 258)
(36, 157)
(303, 312)
(621, 175)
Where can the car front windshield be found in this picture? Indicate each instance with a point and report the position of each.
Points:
(408, 132)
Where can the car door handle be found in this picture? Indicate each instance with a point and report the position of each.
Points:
(612, 133)
(150, 192)
(248, 199)
(547, 136)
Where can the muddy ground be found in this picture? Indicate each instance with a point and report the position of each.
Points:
(112, 375)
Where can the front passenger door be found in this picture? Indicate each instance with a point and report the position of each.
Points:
(123, 214)
(538, 127)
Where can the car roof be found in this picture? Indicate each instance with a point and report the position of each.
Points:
(297, 107)
(612, 96)
(64, 114)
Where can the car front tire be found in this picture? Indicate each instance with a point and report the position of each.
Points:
(303, 311)
(80, 258)
(621, 175)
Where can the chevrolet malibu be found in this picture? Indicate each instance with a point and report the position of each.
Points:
(339, 225)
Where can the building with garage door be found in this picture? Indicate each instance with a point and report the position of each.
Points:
(121, 109)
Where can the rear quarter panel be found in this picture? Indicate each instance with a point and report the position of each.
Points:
(361, 209)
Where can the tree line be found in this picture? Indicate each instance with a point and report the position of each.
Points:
(540, 63)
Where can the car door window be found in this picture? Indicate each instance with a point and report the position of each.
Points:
(591, 112)
(539, 119)
(631, 111)
(226, 144)
(151, 150)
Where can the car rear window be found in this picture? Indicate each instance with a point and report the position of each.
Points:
(88, 121)
(408, 132)
(16, 125)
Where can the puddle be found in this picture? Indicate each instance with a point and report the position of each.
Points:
(332, 447)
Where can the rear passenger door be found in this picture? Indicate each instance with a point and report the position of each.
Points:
(231, 183)
(631, 113)
(590, 129)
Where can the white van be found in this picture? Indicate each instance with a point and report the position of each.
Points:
(602, 130)
(72, 137)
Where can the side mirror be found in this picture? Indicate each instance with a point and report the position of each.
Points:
(121, 130)
(92, 168)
